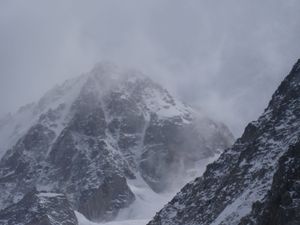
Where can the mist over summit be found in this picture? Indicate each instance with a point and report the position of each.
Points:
(101, 138)
(129, 111)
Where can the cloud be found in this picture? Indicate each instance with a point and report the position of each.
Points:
(226, 57)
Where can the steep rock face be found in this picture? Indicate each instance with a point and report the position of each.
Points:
(39, 209)
(163, 160)
(282, 204)
(243, 175)
(112, 194)
(88, 136)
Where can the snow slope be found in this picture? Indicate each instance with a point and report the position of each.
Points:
(147, 201)
(14, 126)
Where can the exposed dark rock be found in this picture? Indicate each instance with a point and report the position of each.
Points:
(256, 181)
(104, 202)
(282, 204)
(39, 209)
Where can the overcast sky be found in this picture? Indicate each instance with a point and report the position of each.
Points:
(225, 56)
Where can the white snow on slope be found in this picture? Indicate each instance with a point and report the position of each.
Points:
(14, 126)
(83, 221)
(147, 202)
(49, 195)
(160, 103)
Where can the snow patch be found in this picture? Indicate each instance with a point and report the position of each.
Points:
(49, 195)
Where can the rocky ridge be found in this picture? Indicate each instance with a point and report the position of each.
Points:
(256, 181)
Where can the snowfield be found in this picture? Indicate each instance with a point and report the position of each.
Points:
(147, 202)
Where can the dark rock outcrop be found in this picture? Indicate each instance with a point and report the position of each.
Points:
(39, 209)
(256, 181)
(102, 202)
(282, 204)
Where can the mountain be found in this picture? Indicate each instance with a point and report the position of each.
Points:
(256, 181)
(93, 135)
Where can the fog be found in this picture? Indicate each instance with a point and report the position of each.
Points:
(225, 57)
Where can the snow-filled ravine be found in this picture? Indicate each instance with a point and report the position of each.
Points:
(147, 201)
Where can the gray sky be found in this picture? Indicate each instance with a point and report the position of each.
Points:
(225, 56)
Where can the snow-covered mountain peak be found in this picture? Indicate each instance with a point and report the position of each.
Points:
(107, 79)
(108, 75)
(92, 134)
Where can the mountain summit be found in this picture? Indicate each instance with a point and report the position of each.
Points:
(86, 139)
(256, 181)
